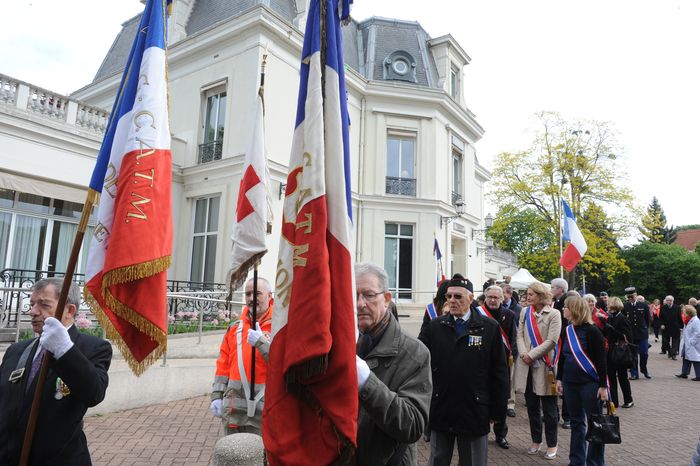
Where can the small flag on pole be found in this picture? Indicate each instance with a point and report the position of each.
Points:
(577, 245)
(253, 218)
(132, 243)
(311, 401)
(440, 274)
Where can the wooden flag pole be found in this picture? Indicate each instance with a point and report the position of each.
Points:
(92, 197)
(253, 321)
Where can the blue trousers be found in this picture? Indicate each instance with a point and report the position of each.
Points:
(582, 400)
(685, 370)
(642, 351)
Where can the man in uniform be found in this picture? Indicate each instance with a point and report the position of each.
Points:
(231, 396)
(639, 315)
(393, 377)
(470, 377)
(77, 380)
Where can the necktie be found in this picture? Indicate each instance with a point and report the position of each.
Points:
(36, 364)
(459, 326)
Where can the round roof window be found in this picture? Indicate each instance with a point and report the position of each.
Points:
(400, 66)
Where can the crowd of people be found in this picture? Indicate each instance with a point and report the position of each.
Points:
(452, 384)
(457, 381)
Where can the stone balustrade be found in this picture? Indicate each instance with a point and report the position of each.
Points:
(42, 103)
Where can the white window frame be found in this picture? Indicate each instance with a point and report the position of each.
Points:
(396, 292)
(204, 234)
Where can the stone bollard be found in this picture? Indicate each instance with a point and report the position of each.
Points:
(239, 450)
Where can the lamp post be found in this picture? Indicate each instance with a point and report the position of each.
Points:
(459, 205)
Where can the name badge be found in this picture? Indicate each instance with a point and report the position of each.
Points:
(16, 375)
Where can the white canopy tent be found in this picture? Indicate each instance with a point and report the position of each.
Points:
(522, 279)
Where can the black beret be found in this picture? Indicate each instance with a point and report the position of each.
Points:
(602, 293)
(459, 280)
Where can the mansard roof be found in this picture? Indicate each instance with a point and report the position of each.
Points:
(370, 46)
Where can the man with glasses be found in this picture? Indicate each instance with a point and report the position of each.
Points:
(231, 388)
(393, 377)
(471, 382)
(496, 309)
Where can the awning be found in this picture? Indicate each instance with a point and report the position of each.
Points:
(42, 187)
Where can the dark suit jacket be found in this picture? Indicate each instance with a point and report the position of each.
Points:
(59, 437)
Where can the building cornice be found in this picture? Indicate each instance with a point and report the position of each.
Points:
(454, 45)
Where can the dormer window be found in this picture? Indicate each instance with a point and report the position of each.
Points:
(454, 82)
(400, 65)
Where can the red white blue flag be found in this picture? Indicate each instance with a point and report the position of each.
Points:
(577, 245)
(311, 402)
(439, 273)
(131, 248)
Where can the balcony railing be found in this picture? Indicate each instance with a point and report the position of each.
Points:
(209, 151)
(47, 105)
(401, 186)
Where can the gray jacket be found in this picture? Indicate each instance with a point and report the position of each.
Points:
(394, 401)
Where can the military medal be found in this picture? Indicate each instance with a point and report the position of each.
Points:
(61, 389)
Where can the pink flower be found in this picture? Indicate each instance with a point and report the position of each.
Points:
(215, 322)
(171, 319)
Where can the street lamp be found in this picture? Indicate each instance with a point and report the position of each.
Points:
(488, 222)
(459, 205)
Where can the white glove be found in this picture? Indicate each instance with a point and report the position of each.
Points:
(215, 408)
(254, 335)
(362, 371)
(55, 338)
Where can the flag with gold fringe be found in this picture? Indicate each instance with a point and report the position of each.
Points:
(125, 280)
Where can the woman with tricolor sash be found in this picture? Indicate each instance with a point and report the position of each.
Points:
(582, 379)
(537, 337)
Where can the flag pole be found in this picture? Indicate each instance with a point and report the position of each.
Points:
(561, 241)
(253, 320)
(254, 316)
(92, 197)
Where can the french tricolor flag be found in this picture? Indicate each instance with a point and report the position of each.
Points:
(571, 233)
(125, 279)
(311, 402)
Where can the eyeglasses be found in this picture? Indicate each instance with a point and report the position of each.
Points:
(368, 296)
(493, 298)
(455, 296)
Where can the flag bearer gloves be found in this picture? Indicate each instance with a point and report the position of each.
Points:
(55, 338)
(215, 408)
(256, 337)
(362, 372)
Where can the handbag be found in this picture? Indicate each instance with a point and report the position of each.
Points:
(621, 355)
(604, 428)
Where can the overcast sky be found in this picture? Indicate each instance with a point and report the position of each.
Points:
(634, 63)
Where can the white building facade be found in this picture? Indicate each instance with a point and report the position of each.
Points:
(413, 139)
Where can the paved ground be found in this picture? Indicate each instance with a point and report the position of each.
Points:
(662, 429)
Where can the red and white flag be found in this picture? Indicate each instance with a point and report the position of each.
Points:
(311, 396)
(132, 243)
(254, 207)
(577, 245)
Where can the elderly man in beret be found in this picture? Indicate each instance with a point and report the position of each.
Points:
(470, 379)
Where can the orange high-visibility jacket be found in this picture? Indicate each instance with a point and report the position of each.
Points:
(233, 384)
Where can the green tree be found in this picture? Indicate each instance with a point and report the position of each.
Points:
(658, 269)
(654, 227)
(578, 161)
(573, 160)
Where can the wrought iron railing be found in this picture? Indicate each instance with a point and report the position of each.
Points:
(188, 303)
(210, 151)
(401, 186)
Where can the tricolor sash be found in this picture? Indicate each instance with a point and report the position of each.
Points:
(430, 309)
(534, 333)
(485, 312)
(580, 356)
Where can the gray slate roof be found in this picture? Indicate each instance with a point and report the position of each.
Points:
(366, 44)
